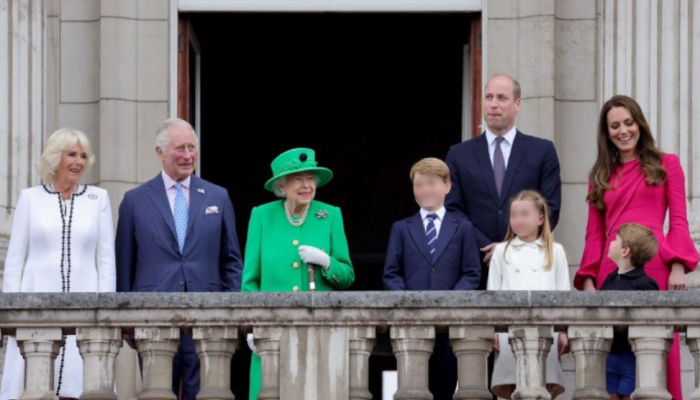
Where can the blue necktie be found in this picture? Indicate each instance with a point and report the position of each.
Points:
(180, 215)
(431, 233)
(499, 165)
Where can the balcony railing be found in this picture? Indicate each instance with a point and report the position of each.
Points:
(317, 345)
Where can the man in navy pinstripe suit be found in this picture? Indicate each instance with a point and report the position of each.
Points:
(176, 233)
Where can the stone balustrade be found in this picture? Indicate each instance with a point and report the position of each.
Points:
(317, 345)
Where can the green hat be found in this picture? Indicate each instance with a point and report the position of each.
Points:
(294, 161)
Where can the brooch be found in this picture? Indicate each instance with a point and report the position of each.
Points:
(92, 196)
(200, 190)
(321, 214)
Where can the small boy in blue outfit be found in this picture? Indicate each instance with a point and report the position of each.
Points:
(633, 247)
(434, 249)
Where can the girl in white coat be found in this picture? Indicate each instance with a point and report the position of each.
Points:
(528, 259)
(62, 240)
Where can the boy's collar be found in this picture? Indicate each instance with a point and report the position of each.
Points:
(440, 213)
(635, 272)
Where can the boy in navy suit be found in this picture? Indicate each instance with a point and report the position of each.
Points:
(435, 249)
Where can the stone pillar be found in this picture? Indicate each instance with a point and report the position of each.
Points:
(412, 347)
(693, 339)
(215, 347)
(531, 345)
(99, 348)
(157, 347)
(39, 347)
(651, 345)
(267, 341)
(361, 344)
(590, 346)
(472, 345)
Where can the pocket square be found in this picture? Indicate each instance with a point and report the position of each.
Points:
(212, 210)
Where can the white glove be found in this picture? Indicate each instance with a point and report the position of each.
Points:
(313, 255)
(251, 343)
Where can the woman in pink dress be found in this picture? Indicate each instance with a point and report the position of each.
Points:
(633, 181)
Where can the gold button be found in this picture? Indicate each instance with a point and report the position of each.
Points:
(295, 288)
(295, 265)
(295, 243)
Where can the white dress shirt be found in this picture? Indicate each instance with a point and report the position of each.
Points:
(506, 145)
(523, 267)
(171, 191)
(438, 221)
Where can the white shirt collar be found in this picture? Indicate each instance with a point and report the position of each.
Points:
(509, 136)
(440, 213)
(517, 242)
(170, 182)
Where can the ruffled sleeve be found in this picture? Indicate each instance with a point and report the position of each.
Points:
(595, 246)
(678, 245)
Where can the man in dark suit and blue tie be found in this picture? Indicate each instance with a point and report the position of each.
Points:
(176, 233)
(489, 170)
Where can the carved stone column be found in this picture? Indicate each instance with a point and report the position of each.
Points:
(99, 348)
(215, 347)
(590, 346)
(157, 347)
(651, 345)
(531, 345)
(39, 347)
(412, 347)
(361, 344)
(472, 345)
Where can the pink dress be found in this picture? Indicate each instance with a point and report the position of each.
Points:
(631, 199)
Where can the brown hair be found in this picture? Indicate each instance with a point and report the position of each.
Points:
(433, 166)
(545, 232)
(641, 242)
(516, 84)
(608, 157)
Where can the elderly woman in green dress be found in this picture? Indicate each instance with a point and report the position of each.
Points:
(287, 236)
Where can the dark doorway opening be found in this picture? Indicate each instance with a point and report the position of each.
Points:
(371, 93)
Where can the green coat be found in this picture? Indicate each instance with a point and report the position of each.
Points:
(272, 262)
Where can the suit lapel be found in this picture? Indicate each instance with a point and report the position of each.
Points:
(447, 230)
(197, 196)
(482, 154)
(516, 156)
(417, 231)
(160, 200)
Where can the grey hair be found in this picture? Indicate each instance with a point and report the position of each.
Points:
(163, 132)
(60, 141)
(279, 182)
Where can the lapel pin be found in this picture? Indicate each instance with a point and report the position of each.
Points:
(200, 190)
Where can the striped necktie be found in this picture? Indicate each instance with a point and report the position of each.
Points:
(180, 215)
(431, 232)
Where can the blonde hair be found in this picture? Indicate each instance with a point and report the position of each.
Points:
(544, 231)
(433, 166)
(641, 242)
(60, 141)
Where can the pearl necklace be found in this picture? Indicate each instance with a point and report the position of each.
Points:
(291, 220)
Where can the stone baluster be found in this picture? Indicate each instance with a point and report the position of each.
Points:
(157, 347)
(39, 347)
(99, 348)
(693, 339)
(651, 345)
(267, 341)
(412, 347)
(531, 345)
(472, 345)
(215, 347)
(590, 346)
(361, 344)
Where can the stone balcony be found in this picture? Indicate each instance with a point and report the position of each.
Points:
(317, 345)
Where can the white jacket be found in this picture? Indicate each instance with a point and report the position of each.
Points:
(33, 264)
(524, 269)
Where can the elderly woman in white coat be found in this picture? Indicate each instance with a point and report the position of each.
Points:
(62, 240)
